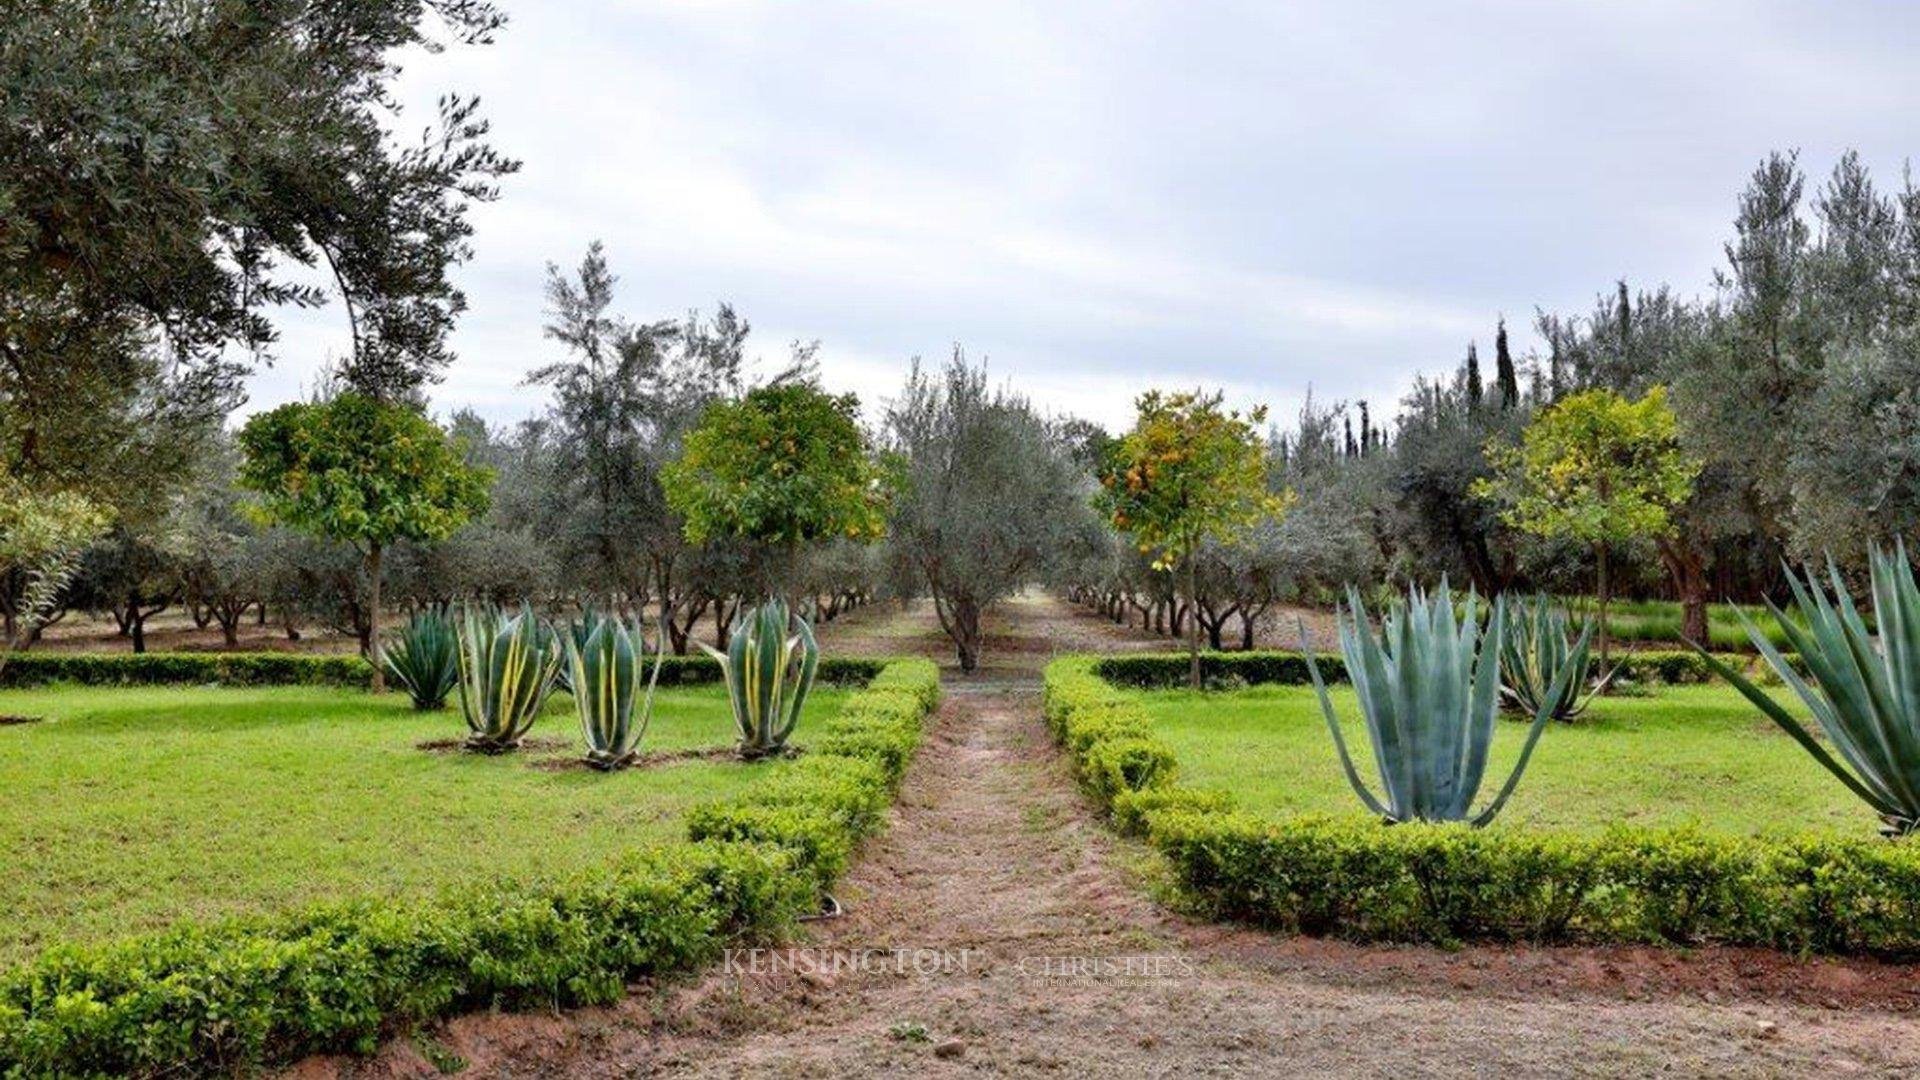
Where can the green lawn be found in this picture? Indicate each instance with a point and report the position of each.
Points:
(1690, 754)
(129, 808)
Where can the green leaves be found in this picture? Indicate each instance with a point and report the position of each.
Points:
(1865, 693)
(1428, 687)
(1593, 467)
(1187, 471)
(359, 470)
(786, 464)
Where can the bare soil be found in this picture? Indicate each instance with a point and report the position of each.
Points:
(1030, 944)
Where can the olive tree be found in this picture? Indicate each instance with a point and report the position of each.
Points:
(989, 495)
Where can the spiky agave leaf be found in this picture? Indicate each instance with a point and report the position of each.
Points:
(1428, 686)
(576, 633)
(425, 659)
(605, 666)
(1538, 645)
(507, 668)
(1865, 689)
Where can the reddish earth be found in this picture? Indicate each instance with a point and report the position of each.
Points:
(1044, 953)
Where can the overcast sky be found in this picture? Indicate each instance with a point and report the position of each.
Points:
(1102, 197)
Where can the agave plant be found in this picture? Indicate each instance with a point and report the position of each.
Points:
(1429, 691)
(769, 667)
(425, 659)
(507, 668)
(1537, 648)
(604, 669)
(1865, 692)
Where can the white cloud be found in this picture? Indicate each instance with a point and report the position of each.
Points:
(1105, 197)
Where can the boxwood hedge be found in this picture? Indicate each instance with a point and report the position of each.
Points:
(1356, 877)
(238, 994)
(307, 669)
(1156, 671)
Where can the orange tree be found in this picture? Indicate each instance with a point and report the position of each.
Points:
(783, 466)
(365, 472)
(1596, 468)
(1189, 471)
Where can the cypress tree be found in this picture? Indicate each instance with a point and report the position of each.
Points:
(1509, 378)
(1474, 388)
(1352, 450)
(1366, 430)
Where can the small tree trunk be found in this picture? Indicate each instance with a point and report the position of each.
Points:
(1193, 624)
(1246, 631)
(373, 619)
(136, 623)
(1606, 593)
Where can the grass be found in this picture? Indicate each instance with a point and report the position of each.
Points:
(1694, 754)
(1658, 622)
(131, 808)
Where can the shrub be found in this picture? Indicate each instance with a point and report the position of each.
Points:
(309, 669)
(507, 667)
(1163, 671)
(1360, 879)
(769, 667)
(160, 668)
(426, 660)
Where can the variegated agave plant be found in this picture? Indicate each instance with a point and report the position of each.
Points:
(769, 667)
(507, 667)
(1429, 690)
(1865, 689)
(605, 667)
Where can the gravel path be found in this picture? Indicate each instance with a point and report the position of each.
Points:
(997, 928)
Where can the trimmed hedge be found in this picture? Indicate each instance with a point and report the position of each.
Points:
(1160, 671)
(239, 994)
(1363, 879)
(1359, 878)
(308, 669)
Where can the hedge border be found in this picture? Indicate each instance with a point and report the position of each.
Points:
(1160, 671)
(226, 996)
(308, 669)
(1359, 878)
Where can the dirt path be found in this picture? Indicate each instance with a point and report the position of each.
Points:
(1039, 952)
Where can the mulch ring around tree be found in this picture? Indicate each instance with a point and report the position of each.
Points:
(459, 746)
(15, 721)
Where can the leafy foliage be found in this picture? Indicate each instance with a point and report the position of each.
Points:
(365, 472)
(786, 464)
(990, 497)
(355, 469)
